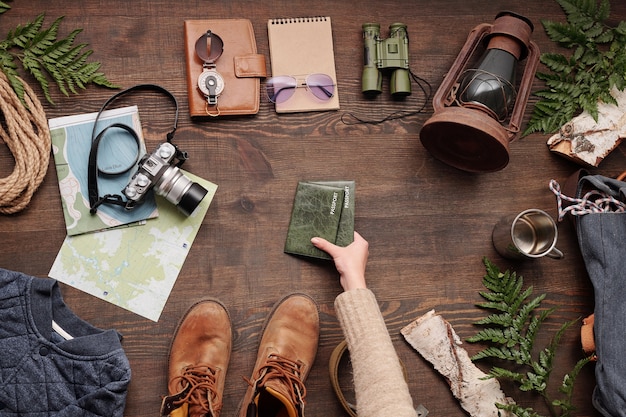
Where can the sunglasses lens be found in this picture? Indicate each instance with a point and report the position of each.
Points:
(280, 89)
(321, 85)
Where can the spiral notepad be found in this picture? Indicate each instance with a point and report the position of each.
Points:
(298, 47)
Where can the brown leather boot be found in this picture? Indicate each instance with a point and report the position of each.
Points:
(198, 361)
(286, 354)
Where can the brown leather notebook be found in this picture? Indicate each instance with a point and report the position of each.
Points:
(239, 66)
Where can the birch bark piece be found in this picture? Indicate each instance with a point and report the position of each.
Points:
(435, 339)
(587, 142)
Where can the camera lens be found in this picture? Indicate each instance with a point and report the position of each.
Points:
(191, 198)
(180, 190)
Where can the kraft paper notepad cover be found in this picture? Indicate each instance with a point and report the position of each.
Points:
(298, 47)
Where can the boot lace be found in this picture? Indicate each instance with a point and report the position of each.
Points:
(199, 383)
(279, 367)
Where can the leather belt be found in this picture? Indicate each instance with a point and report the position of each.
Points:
(333, 366)
(335, 358)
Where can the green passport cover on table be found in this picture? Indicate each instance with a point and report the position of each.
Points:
(318, 210)
(345, 234)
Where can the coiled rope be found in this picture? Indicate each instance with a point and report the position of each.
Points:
(25, 131)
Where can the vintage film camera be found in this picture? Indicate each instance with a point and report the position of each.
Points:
(386, 55)
(159, 170)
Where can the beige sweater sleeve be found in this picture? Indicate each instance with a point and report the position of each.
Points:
(379, 384)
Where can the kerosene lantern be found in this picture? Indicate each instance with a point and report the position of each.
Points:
(478, 108)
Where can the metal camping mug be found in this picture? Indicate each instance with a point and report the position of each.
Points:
(527, 235)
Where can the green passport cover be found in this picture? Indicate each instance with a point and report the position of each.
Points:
(345, 235)
(316, 212)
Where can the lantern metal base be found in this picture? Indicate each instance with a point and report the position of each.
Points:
(466, 139)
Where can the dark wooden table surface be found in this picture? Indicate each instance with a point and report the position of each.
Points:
(429, 225)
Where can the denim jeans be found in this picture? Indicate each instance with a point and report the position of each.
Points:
(602, 240)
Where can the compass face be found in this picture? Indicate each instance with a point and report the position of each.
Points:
(211, 83)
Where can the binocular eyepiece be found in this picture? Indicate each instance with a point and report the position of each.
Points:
(391, 54)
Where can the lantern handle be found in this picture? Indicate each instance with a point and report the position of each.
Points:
(532, 61)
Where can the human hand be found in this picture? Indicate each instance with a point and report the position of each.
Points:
(350, 261)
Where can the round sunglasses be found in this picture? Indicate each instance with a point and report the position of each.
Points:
(281, 88)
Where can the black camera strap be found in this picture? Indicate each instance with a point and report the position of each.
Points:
(94, 171)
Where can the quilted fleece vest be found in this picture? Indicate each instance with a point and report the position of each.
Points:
(52, 362)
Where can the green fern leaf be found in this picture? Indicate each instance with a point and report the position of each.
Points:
(62, 53)
(493, 298)
(524, 312)
(596, 65)
(534, 382)
(8, 66)
(16, 83)
(100, 79)
(564, 34)
(502, 320)
(494, 335)
(502, 353)
(22, 34)
(510, 335)
(603, 10)
(595, 31)
(617, 81)
(544, 364)
(557, 62)
(547, 107)
(590, 106)
(48, 58)
(31, 64)
(567, 386)
(606, 36)
(497, 372)
(535, 323)
(42, 40)
(518, 410)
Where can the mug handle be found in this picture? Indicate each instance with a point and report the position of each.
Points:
(555, 254)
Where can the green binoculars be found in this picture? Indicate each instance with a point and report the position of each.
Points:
(386, 55)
